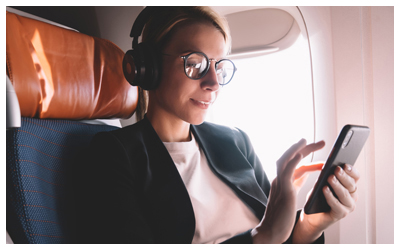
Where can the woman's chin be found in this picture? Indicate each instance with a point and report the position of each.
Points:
(196, 120)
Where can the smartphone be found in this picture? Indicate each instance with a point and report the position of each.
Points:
(346, 149)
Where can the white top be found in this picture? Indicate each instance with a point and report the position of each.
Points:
(219, 212)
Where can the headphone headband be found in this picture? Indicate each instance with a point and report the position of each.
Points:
(139, 23)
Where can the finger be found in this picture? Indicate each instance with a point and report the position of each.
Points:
(346, 180)
(312, 147)
(288, 172)
(300, 171)
(352, 172)
(289, 154)
(338, 210)
(342, 193)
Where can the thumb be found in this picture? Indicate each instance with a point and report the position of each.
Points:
(300, 171)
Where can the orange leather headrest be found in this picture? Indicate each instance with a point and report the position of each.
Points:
(63, 74)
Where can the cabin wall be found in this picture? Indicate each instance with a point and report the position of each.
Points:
(363, 52)
(115, 23)
(382, 27)
(352, 50)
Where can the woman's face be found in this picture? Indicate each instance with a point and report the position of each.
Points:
(179, 97)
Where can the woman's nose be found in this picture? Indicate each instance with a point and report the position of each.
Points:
(210, 80)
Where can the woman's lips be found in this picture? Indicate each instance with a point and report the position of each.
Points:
(201, 104)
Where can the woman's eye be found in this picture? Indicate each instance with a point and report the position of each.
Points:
(193, 65)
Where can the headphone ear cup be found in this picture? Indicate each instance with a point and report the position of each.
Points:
(152, 66)
(129, 67)
(141, 66)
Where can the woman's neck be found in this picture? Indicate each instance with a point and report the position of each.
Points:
(168, 128)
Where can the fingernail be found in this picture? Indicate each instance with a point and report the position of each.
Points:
(327, 190)
(348, 168)
(334, 179)
(341, 172)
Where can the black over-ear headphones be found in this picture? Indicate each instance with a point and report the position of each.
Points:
(141, 65)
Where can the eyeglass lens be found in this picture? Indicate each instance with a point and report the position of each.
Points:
(197, 65)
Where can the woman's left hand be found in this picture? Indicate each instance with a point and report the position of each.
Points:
(344, 184)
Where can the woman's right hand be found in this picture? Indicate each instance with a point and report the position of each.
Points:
(280, 214)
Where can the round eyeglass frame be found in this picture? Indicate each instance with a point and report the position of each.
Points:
(208, 66)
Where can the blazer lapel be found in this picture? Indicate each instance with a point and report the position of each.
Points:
(230, 164)
(171, 212)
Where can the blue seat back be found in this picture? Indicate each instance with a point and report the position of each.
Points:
(40, 207)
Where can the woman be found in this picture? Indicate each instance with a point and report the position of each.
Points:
(173, 178)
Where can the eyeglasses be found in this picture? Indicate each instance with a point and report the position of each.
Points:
(197, 64)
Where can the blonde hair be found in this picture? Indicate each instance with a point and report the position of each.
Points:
(164, 21)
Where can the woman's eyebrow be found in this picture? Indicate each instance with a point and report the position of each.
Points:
(188, 51)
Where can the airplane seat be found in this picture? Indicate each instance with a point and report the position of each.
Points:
(60, 77)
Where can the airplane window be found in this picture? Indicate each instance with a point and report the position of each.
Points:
(271, 99)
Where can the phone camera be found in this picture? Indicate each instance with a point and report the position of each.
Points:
(347, 138)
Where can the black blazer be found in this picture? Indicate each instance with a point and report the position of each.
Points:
(128, 189)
